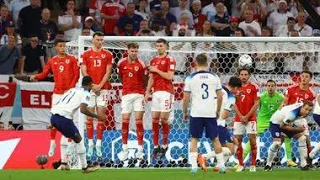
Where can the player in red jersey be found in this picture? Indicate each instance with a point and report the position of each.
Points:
(65, 72)
(246, 118)
(111, 11)
(133, 75)
(162, 69)
(97, 63)
(295, 94)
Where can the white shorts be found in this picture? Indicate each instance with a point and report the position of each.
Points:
(132, 102)
(240, 128)
(100, 99)
(302, 123)
(162, 101)
(55, 98)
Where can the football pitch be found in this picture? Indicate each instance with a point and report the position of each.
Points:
(157, 174)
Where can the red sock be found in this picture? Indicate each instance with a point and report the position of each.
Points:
(253, 155)
(165, 131)
(155, 131)
(125, 131)
(140, 131)
(53, 133)
(100, 129)
(239, 154)
(309, 148)
(89, 127)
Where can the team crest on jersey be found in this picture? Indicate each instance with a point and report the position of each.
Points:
(103, 56)
(248, 91)
(136, 68)
(67, 61)
(306, 96)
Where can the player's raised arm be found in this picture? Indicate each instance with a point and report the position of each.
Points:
(47, 69)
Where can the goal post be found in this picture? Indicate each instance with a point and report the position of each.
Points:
(277, 58)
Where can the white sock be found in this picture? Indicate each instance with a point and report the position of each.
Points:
(209, 155)
(314, 150)
(98, 143)
(90, 142)
(303, 150)
(125, 147)
(164, 146)
(140, 148)
(193, 159)
(272, 152)
(52, 141)
(226, 153)
(64, 148)
(220, 161)
(81, 150)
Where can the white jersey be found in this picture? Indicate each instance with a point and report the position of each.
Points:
(70, 102)
(228, 101)
(316, 109)
(287, 114)
(203, 86)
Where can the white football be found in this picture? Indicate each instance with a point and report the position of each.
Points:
(245, 61)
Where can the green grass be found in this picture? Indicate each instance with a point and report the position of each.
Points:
(156, 174)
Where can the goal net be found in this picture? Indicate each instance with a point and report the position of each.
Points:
(280, 59)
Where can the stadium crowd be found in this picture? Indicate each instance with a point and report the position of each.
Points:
(28, 28)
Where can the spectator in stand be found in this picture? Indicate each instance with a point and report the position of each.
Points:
(284, 30)
(1, 126)
(211, 8)
(69, 21)
(233, 26)
(198, 17)
(184, 24)
(206, 29)
(48, 32)
(144, 29)
(89, 24)
(87, 28)
(14, 9)
(153, 4)
(33, 54)
(304, 29)
(272, 6)
(258, 7)
(183, 8)
(181, 52)
(278, 18)
(111, 12)
(220, 20)
(9, 57)
(249, 26)
(130, 18)
(4, 19)
(29, 19)
(157, 22)
(170, 19)
(95, 8)
(295, 7)
(10, 31)
(143, 9)
(128, 29)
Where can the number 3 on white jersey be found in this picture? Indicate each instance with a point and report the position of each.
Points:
(97, 62)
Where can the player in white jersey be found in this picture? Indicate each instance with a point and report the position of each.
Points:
(316, 117)
(205, 92)
(63, 112)
(281, 126)
(228, 101)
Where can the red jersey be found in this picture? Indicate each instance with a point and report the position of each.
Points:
(65, 72)
(164, 64)
(132, 74)
(296, 95)
(110, 9)
(248, 94)
(97, 63)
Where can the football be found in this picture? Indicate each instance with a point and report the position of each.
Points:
(42, 159)
(245, 61)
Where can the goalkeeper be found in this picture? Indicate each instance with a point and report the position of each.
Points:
(270, 102)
